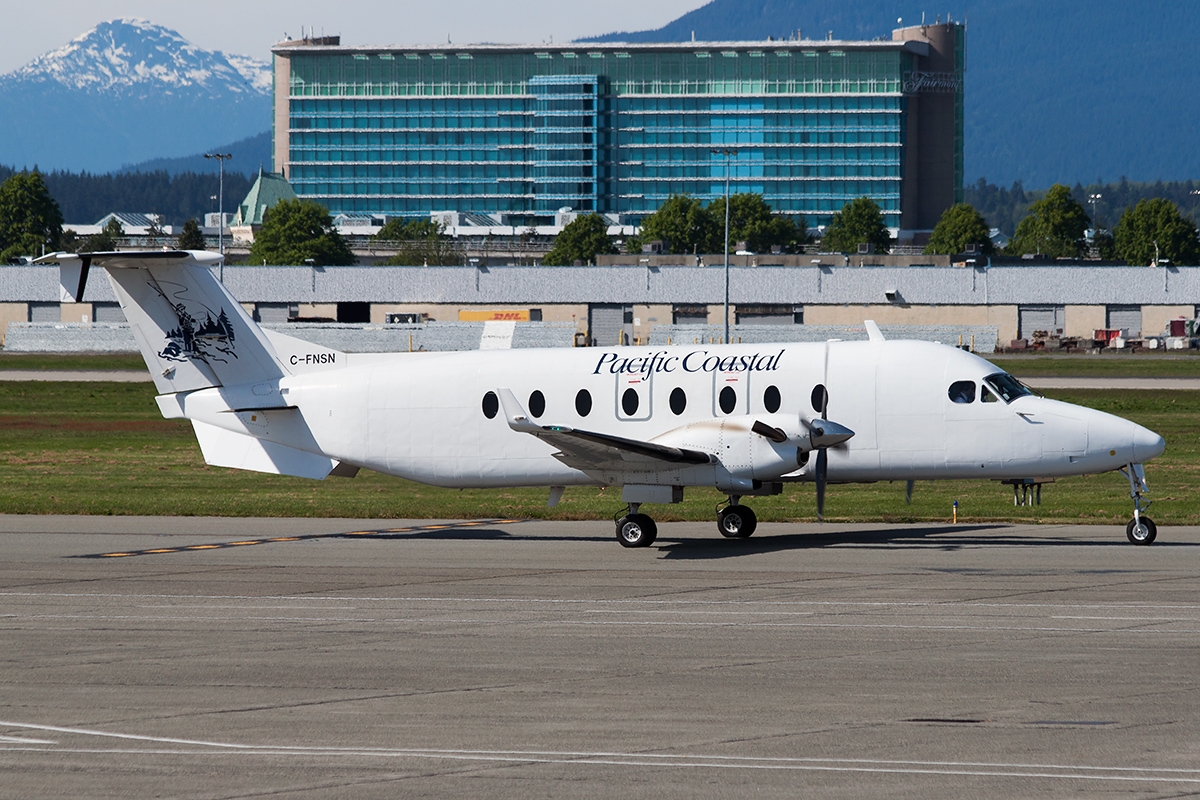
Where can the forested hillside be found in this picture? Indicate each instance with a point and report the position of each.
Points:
(1055, 92)
(85, 198)
(1004, 208)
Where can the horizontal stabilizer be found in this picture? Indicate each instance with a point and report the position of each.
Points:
(224, 448)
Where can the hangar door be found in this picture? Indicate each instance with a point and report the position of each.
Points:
(1031, 319)
(1127, 317)
(610, 324)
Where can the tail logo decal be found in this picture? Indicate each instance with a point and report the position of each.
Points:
(207, 340)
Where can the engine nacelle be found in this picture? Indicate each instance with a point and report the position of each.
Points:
(776, 448)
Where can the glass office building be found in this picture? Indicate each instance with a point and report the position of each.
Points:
(518, 132)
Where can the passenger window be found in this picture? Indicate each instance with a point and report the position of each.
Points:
(678, 401)
(820, 398)
(629, 402)
(583, 402)
(771, 399)
(986, 396)
(962, 392)
(537, 403)
(491, 405)
(727, 399)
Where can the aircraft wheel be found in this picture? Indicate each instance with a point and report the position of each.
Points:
(1143, 533)
(636, 530)
(736, 522)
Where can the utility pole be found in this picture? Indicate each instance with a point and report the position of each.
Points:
(221, 158)
(728, 153)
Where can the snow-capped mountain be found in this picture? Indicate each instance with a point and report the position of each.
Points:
(127, 91)
(132, 54)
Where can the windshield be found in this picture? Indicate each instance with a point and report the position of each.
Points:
(1008, 387)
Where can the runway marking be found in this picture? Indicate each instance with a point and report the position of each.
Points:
(1127, 774)
(24, 740)
(932, 604)
(473, 523)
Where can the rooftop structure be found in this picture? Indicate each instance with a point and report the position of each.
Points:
(268, 189)
(521, 132)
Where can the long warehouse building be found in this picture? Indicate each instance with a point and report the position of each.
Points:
(606, 305)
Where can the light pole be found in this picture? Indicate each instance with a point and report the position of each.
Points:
(1092, 198)
(220, 157)
(728, 153)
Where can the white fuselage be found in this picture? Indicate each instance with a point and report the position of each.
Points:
(422, 416)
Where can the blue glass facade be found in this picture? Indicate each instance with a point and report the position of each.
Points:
(615, 129)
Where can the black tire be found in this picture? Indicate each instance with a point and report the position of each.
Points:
(1144, 535)
(736, 522)
(636, 530)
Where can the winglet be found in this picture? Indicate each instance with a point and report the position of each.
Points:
(517, 420)
(873, 332)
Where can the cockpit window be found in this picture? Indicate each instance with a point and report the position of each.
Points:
(1008, 387)
(986, 396)
(962, 392)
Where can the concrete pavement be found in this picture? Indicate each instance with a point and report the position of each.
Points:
(203, 658)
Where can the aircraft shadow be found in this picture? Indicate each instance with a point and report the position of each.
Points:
(940, 537)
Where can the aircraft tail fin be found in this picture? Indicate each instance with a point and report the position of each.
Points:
(191, 331)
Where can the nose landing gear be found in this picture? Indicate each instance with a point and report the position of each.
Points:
(1141, 529)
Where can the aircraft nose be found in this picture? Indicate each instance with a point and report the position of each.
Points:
(1146, 444)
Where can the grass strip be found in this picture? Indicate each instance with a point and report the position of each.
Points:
(102, 448)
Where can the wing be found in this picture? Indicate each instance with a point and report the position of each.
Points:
(589, 452)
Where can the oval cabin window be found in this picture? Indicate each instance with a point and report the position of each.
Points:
(491, 405)
(727, 400)
(771, 399)
(537, 403)
(583, 402)
(820, 398)
(678, 401)
(629, 402)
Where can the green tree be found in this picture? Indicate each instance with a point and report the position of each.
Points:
(859, 221)
(1104, 245)
(1055, 226)
(683, 224)
(1156, 221)
(191, 237)
(751, 220)
(419, 241)
(960, 226)
(295, 231)
(30, 219)
(105, 241)
(581, 240)
(399, 229)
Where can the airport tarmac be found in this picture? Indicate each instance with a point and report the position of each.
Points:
(202, 658)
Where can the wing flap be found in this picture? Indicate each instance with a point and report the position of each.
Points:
(589, 451)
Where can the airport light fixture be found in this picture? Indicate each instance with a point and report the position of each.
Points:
(728, 153)
(1093, 198)
(221, 158)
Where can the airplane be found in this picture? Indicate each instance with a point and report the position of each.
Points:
(742, 418)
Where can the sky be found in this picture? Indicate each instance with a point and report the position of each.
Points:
(250, 27)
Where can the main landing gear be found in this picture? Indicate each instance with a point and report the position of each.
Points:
(634, 529)
(736, 521)
(1141, 529)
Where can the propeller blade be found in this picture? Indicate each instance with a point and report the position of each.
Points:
(825, 383)
(822, 464)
